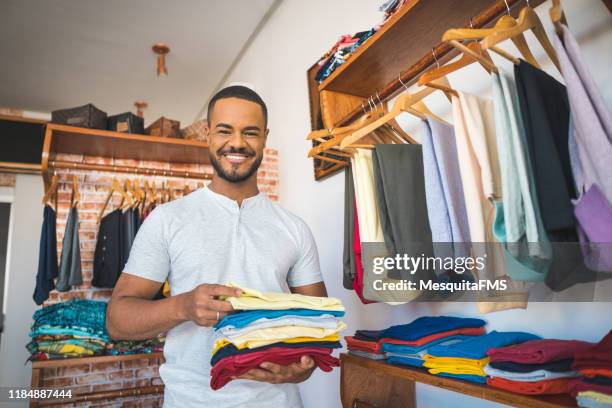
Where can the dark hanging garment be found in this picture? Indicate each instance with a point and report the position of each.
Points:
(400, 194)
(349, 270)
(70, 273)
(108, 254)
(546, 115)
(127, 235)
(47, 257)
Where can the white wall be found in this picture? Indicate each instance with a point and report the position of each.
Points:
(22, 263)
(295, 37)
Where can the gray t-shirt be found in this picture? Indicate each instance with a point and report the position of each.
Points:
(206, 238)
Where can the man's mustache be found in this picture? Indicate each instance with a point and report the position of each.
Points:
(243, 151)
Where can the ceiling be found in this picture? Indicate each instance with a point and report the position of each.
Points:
(64, 53)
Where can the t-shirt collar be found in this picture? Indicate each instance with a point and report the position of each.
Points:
(231, 203)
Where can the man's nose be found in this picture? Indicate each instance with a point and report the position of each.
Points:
(236, 140)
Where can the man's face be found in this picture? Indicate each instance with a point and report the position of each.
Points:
(236, 138)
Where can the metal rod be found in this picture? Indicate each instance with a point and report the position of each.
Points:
(60, 164)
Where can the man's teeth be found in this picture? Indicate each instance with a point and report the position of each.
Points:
(235, 157)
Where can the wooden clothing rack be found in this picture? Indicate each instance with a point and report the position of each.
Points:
(38, 379)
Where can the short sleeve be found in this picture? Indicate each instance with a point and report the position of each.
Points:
(149, 257)
(306, 269)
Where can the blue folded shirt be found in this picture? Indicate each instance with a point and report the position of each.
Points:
(242, 319)
(401, 348)
(468, 377)
(424, 326)
(476, 347)
(405, 361)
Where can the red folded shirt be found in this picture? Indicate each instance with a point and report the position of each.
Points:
(363, 345)
(238, 364)
(594, 372)
(597, 356)
(468, 331)
(539, 351)
(578, 385)
(556, 386)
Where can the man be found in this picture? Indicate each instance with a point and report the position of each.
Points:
(225, 232)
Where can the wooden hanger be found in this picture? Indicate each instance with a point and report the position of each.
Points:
(505, 22)
(51, 191)
(368, 117)
(528, 20)
(186, 190)
(76, 195)
(404, 103)
(465, 60)
(484, 59)
(557, 16)
(115, 187)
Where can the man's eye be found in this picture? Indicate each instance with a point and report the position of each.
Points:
(251, 134)
(224, 132)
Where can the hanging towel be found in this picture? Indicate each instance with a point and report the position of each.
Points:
(47, 257)
(70, 261)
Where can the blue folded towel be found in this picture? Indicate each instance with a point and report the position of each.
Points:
(242, 319)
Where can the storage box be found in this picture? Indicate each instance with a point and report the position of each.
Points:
(164, 127)
(87, 116)
(126, 122)
(195, 131)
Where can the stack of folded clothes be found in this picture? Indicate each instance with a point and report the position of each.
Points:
(77, 328)
(277, 328)
(594, 389)
(467, 359)
(535, 367)
(365, 344)
(409, 343)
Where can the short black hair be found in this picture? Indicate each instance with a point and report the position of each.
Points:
(240, 92)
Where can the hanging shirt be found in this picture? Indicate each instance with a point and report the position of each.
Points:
(370, 229)
(47, 257)
(349, 269)
(206, 237)
(108, 255)
(70, 261)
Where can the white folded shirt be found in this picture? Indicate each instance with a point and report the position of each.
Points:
(537, 375)
(325, 321)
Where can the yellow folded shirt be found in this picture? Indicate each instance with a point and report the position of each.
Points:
(597, 396)
(269, 335)
(455, 365)
(252, 299)
(220, 343)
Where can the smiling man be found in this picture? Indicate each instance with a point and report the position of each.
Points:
(228, 231)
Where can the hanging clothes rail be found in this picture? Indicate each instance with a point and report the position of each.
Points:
(61, 164)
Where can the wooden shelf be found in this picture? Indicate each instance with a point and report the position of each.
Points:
(104, 143)
(66, 362)
(361, 379)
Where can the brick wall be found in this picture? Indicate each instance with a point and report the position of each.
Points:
(7, 180)
(93, 187)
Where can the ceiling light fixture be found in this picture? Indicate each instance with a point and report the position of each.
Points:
(161, 50)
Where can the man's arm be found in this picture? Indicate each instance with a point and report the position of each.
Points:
(133, 315)
(295, 372)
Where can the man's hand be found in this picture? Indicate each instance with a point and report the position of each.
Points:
(202, 306)
(278, 374)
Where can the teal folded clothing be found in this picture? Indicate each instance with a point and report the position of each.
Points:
(427, 325)
(468, 377)
(395, 359)
(245, 318)
(476, 347)
(401, 348)
(73, 331)
(87, 315)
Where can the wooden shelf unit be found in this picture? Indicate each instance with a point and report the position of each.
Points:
(384, 385)
(62, 139)
(404, 47)
(38, 368)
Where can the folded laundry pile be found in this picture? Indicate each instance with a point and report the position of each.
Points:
(77, 328)
(594, 389)
(535, 367)
(467, 358)
(275, 327)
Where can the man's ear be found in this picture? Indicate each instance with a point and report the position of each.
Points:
(266, 135)
(206, 132)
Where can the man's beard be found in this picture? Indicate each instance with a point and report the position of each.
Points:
(232, 176)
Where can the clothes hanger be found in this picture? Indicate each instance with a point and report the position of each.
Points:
(51, 191)
(444, 70)
(484, 59)
(368, 117)
(396, 128)
(76, 195)
(557, 16)
(528, 20)
(115, 187)
(185, 190)
(404, 103)
(505, 22)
